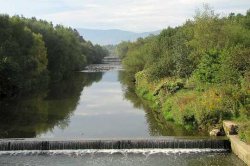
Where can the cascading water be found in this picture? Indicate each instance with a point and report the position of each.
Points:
(8, 145)
(156, 152)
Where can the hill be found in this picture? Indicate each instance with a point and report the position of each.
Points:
(111, 36)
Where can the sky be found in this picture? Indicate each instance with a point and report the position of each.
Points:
(131, 15)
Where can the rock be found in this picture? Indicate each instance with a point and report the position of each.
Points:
(233, 130)
(214, 132)
(230, 127)
(217, 132)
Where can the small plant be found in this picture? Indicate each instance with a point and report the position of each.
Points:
(244, 132)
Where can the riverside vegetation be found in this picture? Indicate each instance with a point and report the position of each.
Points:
(197, 74)
(34, 53)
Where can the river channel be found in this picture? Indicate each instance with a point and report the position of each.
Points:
(96, 105)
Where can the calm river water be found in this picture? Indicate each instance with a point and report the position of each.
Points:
(88, 105)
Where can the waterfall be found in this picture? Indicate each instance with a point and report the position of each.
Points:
(36, 144)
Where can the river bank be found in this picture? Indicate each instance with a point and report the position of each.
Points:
(185, 103)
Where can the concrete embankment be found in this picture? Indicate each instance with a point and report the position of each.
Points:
(241, 149)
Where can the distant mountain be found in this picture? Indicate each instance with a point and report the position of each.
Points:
(111, 36)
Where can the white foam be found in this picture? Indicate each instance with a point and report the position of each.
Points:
(145, 152)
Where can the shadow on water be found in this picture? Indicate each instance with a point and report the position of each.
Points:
(56, 108)
(157, 125)
(30, 116)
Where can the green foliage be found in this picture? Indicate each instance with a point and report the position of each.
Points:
(94, 53)
(244, 132)
(122, 49)
(112, 49)
(207, 70)
(211, 56)
(235, 63)
(67, 50)
(34, 51)
(169, 86)
(23, 58)
(137, 56)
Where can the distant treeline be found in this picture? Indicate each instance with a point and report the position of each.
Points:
(111, 49)
(34, 52)
(197, 74)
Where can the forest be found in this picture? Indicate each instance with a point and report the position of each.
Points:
(34, 53)
(196, 74)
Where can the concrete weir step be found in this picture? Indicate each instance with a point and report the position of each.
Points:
(239, 148)
(42, 144)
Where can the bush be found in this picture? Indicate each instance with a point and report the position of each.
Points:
(196, 108)
(207, 71)
(244, 132)
(169, 86)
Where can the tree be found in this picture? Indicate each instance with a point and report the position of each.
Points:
(23, 58)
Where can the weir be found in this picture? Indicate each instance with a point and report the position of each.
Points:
(33, 144)
(111, 59)
(107, 64)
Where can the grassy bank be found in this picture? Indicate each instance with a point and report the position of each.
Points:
(192, 105)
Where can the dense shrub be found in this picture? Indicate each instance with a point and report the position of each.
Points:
(210, 55)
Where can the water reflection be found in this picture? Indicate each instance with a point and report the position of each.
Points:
(31, 116)
(103, 113)
(158, 126)
(77, 108)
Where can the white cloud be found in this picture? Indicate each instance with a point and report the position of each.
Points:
(135, 15)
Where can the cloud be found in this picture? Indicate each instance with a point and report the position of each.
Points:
(135, 15)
